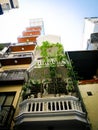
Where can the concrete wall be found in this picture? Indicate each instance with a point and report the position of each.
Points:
(49, 38)
(91, 102)
(88, 29)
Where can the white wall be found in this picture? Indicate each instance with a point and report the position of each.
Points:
(88, 29)
(96, 28)
(49, 38)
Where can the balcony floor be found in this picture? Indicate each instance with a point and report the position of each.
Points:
(52, 125)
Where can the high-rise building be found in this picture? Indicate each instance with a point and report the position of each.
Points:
(90, 26)
(31, 33)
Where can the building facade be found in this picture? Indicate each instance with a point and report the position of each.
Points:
(89, 90)
(38, 89)
(15, 59)
(51, 101)
(90, 26)
(92, 43)
(86, 65)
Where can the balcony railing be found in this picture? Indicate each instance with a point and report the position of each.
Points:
(40, 63)
(6, 116)
(63, 108)
(50, 105)
(12, 75)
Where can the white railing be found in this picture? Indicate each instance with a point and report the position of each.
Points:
(66, 108)
(40, 63)
(56, 104)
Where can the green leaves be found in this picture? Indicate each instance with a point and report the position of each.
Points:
(1, 46)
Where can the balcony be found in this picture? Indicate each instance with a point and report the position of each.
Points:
(16, 60)
(39, 63)
(36, 28)
(6, 116)
(66, 110)
(12, 76)
(31, 33)
(27, 39)
(22, 47)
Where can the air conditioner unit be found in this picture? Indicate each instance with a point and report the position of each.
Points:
(8, 5)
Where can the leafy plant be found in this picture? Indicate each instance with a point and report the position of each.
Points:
(31, 86)
(1, 46)
(53, 54)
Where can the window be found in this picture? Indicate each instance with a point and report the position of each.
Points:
(7, 110)
(89, 93)
(6, 98)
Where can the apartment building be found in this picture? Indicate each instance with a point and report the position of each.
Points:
(90, 27)
(47, 103)
(38, 88)
(15, 59)
(86, 64)
(92, 43)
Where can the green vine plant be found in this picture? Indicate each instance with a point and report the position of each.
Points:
(53, 54)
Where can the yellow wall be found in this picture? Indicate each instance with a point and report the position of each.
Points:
(91, 103)
(12, 88)
(14, 67)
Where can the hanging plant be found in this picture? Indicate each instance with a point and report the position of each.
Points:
(53, 54)
(53, 58)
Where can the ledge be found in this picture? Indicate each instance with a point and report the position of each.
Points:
(91, 81)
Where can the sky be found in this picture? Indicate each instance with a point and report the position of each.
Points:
(64, 18)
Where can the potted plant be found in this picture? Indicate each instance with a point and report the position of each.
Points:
(31, 87)
(26, 90)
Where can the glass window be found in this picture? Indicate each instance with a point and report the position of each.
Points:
(6, 98)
